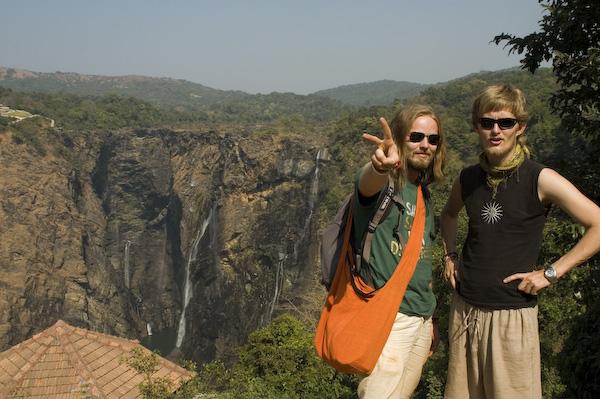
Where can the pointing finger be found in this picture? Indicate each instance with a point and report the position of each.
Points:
(387, 132)
(516, 276)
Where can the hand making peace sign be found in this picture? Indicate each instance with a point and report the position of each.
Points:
(386, 156)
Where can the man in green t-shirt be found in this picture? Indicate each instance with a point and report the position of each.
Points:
(412, 152)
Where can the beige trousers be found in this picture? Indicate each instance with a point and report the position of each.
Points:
(398, 369)
(494, 354)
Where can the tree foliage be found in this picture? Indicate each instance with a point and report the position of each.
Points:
(278, 362)
(112, 111)
(108, 112)
(146, 363)
(569, 36)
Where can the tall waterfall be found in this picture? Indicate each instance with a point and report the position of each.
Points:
(187, 290)
(314, 190)
(280, 270)
(127, 273)
(279, 278)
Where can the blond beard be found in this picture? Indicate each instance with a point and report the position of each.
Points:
(419, 164)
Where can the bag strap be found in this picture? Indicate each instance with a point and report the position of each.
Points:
(366, 291)
(364, 254)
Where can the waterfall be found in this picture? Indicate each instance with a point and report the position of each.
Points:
(187, 288)
(279, 271)
(126, 272)
(314, 190)
(279, 278)
(148, 329)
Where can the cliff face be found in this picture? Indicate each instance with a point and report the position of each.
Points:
(196, 238)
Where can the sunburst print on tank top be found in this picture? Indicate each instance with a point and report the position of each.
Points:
(491, 212)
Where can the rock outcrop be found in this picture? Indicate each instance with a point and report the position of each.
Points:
(125, 232)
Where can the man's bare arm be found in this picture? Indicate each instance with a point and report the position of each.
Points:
(555, 189)
(448, 226)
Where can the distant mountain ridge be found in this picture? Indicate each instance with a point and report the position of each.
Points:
(159, 91)
(381, 92)
(183, 93)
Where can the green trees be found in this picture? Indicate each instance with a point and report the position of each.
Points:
(569, 36)
(109, 112)
(3, 124)
(146, 364)
(278, 362)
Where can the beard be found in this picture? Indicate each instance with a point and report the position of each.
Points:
(497, 152)
(419, 164)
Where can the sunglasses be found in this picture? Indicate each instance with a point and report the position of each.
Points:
(503, 123)
(416, 137)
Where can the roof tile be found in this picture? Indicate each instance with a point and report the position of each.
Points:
(65, 362)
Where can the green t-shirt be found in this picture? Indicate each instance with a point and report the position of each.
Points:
(386, 248)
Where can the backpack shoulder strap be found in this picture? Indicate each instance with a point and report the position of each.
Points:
(386, 198)
(409, 257)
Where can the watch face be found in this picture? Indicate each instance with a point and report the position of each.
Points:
(550, 274)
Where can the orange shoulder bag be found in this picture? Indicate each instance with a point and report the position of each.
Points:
(353, 328)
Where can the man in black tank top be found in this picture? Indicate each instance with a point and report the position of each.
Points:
(493, 331)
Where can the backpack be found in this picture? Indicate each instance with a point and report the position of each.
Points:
(332, 237)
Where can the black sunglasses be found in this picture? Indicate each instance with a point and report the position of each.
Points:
(416, 137)
(503, 123)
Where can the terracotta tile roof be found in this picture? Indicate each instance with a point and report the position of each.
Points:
(69, 362)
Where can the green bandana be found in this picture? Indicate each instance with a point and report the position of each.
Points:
(499, 174)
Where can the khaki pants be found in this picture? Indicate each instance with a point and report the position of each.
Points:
(398, 369)
(494, 354)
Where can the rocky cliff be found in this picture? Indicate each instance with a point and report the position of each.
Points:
(185, 240)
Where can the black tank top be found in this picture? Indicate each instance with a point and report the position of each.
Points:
(505, 236)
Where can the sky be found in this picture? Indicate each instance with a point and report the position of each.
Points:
(261, 46)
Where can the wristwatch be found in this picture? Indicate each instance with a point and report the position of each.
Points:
(550, 274)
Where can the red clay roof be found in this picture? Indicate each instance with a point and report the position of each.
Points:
(69, 362)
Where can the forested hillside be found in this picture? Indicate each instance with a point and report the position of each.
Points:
(260, 112)
(84, 96)
(183, 95)
(381, 92)
(158, 91)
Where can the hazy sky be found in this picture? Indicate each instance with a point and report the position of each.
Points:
(260, 46)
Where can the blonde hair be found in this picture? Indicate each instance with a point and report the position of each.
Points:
(401, 125)
(502, 97)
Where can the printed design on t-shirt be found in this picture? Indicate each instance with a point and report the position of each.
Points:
(491, 212)
(410, 209)
(408, 217)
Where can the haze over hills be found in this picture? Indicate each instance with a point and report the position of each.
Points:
(183, 93)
